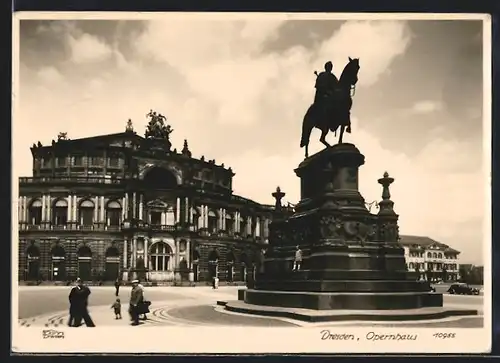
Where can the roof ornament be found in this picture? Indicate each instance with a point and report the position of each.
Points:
(62, 136)
(129, 127)
(157, 127)
(185, 149)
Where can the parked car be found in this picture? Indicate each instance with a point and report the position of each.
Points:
(462, 289)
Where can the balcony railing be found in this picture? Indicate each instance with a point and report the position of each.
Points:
(67, 227)
(162, 227)
(69, 179)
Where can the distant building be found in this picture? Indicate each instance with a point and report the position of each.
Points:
(126, 206)
(431, 258)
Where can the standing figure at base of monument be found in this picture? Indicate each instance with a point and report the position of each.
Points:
(298, 259)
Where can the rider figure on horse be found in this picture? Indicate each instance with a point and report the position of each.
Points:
(326, 84)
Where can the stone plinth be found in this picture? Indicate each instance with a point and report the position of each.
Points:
(340, 315)
(351, 258)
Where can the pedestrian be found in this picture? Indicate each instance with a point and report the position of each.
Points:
(117, 287)
(298, 259)
(79, 296)
(136, 297)
(73, 309)
(117, 307)
(143, 304)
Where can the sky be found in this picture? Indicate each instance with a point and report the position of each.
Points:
(237, 90)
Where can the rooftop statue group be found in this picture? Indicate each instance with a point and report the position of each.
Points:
(331, 109)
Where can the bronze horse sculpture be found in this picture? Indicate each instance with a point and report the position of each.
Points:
(334, 111)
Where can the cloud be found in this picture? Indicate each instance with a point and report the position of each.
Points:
(426, 107)
(87, 49)
(49, 75)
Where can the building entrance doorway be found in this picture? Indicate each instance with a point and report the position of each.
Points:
(243, 267)
(84, 263)
(230, 267)
(58, 264)
(213, 264)
(112, 269)
(33, 262)
(196, 269)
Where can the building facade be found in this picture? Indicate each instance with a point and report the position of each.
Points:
(126, 206)
(431, 259)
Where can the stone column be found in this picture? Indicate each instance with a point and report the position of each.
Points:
(134, 252)
(25, 207)
(49, 208)
(75, 208)
(236, 222)
(257, 227)
(70, 208)
(125, 253)
(205, 220)
(124, 208)
(141, 207)
(103, 210)
(134, 205)
(178, 211)
(146, 257)
(43, 208)
(19, 209)
(224, 220)
(96, 209)
(202, 210)
(163, 218)
(187, 217)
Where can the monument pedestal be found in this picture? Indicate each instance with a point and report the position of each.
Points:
(351, 259)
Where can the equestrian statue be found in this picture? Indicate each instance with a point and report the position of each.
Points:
(332, 103)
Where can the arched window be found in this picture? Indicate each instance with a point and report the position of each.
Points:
(35, 212)
(33, 252)
(113, 213)
(429, 255)
(60, 213)
(440, 255)
(229, 224)
(58, 252)
(160, 178)
(411, 266)
(434, 255)
(87, 213)
(160, 257)
(212, 222)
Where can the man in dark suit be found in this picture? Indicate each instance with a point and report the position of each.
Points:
(78, 299)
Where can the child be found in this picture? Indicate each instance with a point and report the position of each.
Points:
(117, 306)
